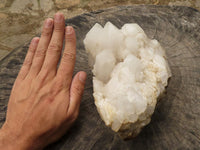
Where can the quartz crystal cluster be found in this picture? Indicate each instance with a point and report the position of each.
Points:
(130, 73)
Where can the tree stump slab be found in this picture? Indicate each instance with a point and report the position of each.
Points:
(176, 121)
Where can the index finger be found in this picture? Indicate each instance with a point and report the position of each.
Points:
(66, 68)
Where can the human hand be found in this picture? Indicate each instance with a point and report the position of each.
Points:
(45, 100)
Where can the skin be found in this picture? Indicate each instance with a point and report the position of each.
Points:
(45, 99)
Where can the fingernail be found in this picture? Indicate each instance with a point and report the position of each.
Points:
(82, 77)
(48, 23)
(35, 41)
(58, 17)
(69, 30)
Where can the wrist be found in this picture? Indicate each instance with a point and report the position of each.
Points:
(9, 140)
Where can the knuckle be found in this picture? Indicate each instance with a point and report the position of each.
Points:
(68, 56)
(70, 39)
(54, 48)
(31, 49)
(27, 62)
(78, 90)
(40, 52)
(59, 27)
(46, 32)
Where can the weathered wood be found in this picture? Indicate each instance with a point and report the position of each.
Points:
(176, 121)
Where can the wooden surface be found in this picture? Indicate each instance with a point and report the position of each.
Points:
(176, 121)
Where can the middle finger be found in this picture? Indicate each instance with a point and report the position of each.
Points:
(54, 49)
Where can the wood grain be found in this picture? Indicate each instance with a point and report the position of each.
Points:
(176, 121)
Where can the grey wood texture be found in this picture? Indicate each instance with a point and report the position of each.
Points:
(176, 121)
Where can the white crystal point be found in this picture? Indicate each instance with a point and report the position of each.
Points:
(130, 73)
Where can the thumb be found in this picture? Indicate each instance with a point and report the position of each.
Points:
(76, 92)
